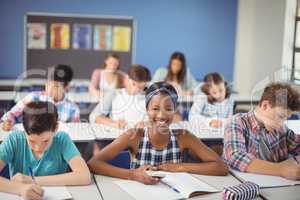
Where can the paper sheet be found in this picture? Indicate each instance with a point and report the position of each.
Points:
(264, 181)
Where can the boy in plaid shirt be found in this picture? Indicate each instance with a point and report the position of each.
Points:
(57, 85)
(258, 141)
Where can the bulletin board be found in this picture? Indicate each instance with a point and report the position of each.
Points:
(81, 41)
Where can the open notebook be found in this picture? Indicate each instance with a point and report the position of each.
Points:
(264, 181)
(172, 186)
(50, 193)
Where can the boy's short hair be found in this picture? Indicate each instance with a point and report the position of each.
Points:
(61, 73)
(281, 95)
(39, 117)
(139, 73)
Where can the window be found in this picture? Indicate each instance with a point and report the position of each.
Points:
(296, 57)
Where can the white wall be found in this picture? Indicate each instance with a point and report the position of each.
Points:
(259, 44)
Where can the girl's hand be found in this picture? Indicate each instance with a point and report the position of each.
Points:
(120, 124)
(31, 192)
(21, 178)
(170, 167)
(140, 175)
(215, 123)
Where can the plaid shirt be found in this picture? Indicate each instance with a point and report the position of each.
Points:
(148, 155)
(244, 136)
(67, 110)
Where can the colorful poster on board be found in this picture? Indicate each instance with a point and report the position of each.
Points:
(60, 36)
(102, 37)
(121, 38)
(36, 36)
(82, 36)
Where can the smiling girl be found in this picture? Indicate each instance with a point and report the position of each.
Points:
(157, 147)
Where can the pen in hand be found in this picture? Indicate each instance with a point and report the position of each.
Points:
(32, 176)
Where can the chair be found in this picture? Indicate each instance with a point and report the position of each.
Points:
(5, 172)
(122, 160)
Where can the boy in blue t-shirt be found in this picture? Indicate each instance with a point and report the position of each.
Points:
(49, 154)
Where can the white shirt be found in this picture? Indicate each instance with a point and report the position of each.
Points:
(119, 105)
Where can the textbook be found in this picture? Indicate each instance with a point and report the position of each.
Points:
(264, 181)
(50, 193)
(172, 186)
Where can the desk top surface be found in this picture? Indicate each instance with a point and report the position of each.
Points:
(110, 190)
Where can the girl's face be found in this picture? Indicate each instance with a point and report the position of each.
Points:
(161, 111)
(218, 91)
(176, 66)
(112, 64)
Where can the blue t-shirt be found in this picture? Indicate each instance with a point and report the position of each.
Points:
(17, 153)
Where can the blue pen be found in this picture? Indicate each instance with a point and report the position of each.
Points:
(31, 174)
(174, 189)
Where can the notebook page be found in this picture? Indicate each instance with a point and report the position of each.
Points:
(264, 180)
(187, 184)
(50, 193)
(56, 193)
(7, 196)
(148, 192)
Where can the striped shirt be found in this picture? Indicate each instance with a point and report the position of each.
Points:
(67, 110)
(148, 155)
(246, 139)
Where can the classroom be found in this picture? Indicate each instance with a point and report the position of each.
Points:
(169, 99)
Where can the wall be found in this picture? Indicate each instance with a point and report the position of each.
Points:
(259, 44)
(204, 30)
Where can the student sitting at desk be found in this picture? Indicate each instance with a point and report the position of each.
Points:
(107, 78)
(258, 141)
(56, 88)
(215, 105)
(43, 151)
(120, 107)
(157, 147)
(177, 74)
